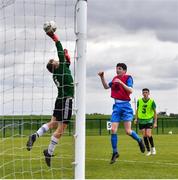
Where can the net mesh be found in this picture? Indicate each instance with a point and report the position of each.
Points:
(27, 90)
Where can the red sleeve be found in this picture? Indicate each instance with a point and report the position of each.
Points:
(67, 57)
(53, 36)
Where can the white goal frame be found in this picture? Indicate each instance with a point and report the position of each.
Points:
(81, 46)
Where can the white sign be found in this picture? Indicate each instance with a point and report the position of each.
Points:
(108, 125)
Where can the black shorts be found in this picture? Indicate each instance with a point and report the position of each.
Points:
(63, 110)
(146, 126)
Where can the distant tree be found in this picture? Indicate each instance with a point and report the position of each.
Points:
(173, 115)
(162, 113)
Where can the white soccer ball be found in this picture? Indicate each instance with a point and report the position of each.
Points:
(49, 26)
(170, 132)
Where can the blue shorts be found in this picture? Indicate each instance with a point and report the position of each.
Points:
(122, 112)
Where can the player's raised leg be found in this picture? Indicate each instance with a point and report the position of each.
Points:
(134, 135)
(48, 153)
(43, 129)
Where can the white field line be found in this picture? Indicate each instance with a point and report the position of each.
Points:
(101, 159)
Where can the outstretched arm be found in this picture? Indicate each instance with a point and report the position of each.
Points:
(105, 85)
(53, 36)
(59, 47)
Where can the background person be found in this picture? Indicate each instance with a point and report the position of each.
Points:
(146, 117)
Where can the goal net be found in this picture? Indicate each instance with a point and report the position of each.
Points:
(28, 92)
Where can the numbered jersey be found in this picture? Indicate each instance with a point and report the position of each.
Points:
(64, 82)
(62, 76)
(146, 109)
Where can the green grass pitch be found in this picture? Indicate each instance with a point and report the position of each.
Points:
(17, 162)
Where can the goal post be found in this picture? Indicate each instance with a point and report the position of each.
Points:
(28, 92)
(81, 45)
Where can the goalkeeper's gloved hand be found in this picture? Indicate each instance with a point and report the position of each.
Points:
(67, 57)
(53, 36)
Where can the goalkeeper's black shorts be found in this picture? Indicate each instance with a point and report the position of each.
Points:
(63, 109)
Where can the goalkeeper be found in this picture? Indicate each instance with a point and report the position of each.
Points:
(63, 106)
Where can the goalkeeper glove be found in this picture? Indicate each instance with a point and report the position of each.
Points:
(53, 36)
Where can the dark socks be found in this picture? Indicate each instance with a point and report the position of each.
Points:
(146, 143)
(151, 141)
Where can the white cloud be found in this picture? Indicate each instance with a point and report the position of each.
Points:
(151, 62)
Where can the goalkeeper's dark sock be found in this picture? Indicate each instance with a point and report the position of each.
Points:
(146, 143)
(114, 142)
(151, 141)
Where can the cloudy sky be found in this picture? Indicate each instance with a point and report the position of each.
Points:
(141, 33)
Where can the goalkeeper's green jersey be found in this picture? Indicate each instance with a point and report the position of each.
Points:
(62, 75)
(146, 110)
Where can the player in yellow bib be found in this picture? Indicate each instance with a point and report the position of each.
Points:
(146, 117)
